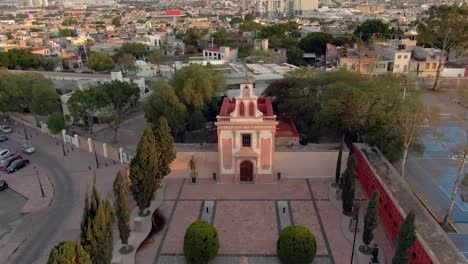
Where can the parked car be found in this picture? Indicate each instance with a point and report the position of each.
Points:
(28, 149)
(4, 153)
(17, 164)
(3, 185)
(3, 137)
(6, 129)
(4, 163)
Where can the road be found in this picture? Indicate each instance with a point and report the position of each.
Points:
(71, 176)
(42, 226)
(433, 173)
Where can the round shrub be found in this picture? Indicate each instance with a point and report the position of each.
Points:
(296, 245)
(201, 242)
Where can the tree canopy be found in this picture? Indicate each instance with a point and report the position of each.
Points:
(315, 42)
(68, 252)
(96, 227)
(56, 123)
(372, 28)
(21, 59)
(100, 62)
(144, 170)
(322, 103)
(163, 102)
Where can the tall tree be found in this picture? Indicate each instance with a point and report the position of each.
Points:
(122, 209)
(462, 155)
(165, 148)
(195, 85)
(295, 56)
(96, 228)
(413, 114)
(9, 93)
(85, 104)
(34, 88)
(349, 185)
(138, 50)
(55, 124)
(371, 219)
(163, 102)
(444, 27)
(68, 252)
(406, 239)
(315, 42)
(372, 28)
(100, 62)
(144, 171)
(121, 97)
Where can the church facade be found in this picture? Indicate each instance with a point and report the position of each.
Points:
(247, 131)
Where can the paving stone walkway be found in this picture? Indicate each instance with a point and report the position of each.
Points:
(248, 219)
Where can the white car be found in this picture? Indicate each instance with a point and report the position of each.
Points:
(4, 153)
(6, 129)
(28, 149)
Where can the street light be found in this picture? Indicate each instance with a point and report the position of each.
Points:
(95, 155)
(25, 133)
(356, 217)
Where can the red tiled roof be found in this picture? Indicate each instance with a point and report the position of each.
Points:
(284, 128)
(212, 49)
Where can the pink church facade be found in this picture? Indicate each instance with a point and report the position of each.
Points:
(247, 127)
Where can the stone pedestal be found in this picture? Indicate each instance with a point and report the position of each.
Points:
(338, 194)
(117, 260)
(138, 224)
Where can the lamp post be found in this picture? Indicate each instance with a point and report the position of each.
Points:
(356, 218)
(25, 133)
(39, 180)
(95, 155)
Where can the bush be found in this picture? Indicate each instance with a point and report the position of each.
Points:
(296, 245)
(201, 242)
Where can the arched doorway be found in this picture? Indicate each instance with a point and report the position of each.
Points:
(246, 171)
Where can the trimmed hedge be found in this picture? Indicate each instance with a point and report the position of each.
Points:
(201, 242)
(296, 245)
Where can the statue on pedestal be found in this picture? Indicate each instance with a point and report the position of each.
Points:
(193, 169)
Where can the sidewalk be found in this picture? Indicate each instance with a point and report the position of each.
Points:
(384, 246)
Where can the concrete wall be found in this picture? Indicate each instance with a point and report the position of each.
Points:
(291, 164)
(320, 164)
(206, 162)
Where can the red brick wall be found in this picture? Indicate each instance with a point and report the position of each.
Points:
(389, 214)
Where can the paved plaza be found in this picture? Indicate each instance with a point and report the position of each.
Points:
(249, 217)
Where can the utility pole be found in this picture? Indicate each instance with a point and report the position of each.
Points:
(356, 207)
(25, 132)
(95, 155)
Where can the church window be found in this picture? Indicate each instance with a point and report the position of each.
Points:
(246, 140)
(252, 109)
(241, 109)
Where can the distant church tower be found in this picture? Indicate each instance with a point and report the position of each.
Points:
(246, 137)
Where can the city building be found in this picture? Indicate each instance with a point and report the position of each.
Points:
(221, 53)
(301, 7)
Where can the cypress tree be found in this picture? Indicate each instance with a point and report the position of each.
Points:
(68, 252)
(96, 228)
(122, 209)
(349, 185)
(371, 219)
(165, 148)
(406, 239)
(144, 170)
